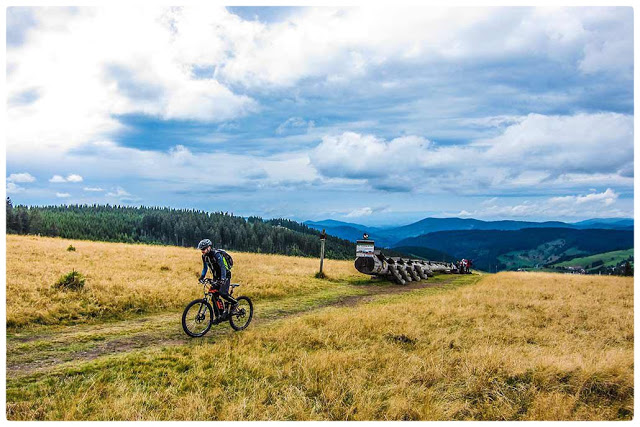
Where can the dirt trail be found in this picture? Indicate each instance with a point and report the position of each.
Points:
(30, 354)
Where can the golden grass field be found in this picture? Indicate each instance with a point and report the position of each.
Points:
(510, 346)
(125, 278)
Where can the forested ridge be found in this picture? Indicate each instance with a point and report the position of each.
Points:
(169, 226)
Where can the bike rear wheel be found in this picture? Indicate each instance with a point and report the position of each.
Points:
(242, 315)
(197, 318)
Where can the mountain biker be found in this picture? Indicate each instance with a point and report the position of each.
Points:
(213, 260)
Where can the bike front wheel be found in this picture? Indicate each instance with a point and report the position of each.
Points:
(197, 318)
(242, 314)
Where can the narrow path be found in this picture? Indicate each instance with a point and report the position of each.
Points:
(31, 354)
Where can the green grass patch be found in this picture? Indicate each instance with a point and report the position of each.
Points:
(608, 259)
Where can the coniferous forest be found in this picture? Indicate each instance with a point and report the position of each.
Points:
(167, 226)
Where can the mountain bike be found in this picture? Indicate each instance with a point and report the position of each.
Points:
(199, 315)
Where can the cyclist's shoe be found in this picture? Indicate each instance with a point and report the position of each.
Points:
(234, 308)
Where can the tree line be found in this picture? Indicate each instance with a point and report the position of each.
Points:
(169, 226)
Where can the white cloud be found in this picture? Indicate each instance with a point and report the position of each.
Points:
(182, 63)
(584, 143)
(118, 192)
(138, 69)
(342, 43)
(607, 198)
(366, 211)
(205, 64)
(294, 124)
(593, 205)
(359, 212)
(352, 155)
(74, 178)
(63, 195)
(12, 188)
(57, 179)
(537, 151)
(21, 177)
(94, 189)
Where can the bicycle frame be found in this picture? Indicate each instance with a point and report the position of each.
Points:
(212, 296)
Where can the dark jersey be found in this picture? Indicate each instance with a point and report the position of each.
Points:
(214, 261)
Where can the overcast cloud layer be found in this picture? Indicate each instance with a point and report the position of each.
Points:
(368, 114)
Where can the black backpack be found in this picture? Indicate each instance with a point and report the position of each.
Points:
(228, 260)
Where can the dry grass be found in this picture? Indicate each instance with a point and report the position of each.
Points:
(126, 278)
(512, 346)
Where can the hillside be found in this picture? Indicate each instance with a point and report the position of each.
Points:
(551, 347)
(432, 225)
(353, 232)
(393, 235)
(612, 223)
(180, 227)
(598, 261)
(522, 248)
(426, 253)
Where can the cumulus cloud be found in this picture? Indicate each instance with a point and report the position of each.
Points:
(74, 178)
(21, 177)
(341, 43)
(13, 188)
(118, 192)
(139, 69)
(93, 189)
(200, 63)
(582, 143)
(352, 155)
(592, 205)
(58, 179)
(63, 195)
(366, 211)
(533, 152)
(607, 198)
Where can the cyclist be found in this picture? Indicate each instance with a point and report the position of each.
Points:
(214, 261)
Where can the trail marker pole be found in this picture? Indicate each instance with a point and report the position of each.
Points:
(323, 237)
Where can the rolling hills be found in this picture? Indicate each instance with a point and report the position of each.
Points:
(491, 249)
(392, 236)
(598, 261)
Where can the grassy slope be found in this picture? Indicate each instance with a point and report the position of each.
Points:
(540, 255)
(609, 259)
(512, 346)
(125, 279)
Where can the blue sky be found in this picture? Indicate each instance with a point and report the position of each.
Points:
(370, 115)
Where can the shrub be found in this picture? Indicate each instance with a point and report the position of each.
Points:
(71, 281)
(71, 248)
(320, 275)
(164, 268)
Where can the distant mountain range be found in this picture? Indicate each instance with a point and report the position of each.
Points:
(494, 245)
(493, 250)
(390, 236)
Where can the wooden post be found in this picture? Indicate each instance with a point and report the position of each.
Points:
(323, 237)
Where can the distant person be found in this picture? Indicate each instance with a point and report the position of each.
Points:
(213, 260)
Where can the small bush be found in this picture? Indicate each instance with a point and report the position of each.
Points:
(321, 275)
(71, 248)
(164, 268)
(71, 281)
